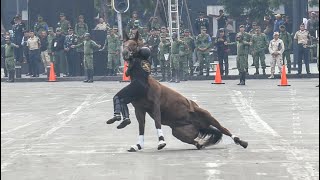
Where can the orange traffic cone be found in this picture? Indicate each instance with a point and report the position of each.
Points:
(52, 76)
(217, 79)
(284, 81)
(124, 77)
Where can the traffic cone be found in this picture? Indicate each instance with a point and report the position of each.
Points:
(52, 76)
(124, 77)
(284, 81)
(217, 79)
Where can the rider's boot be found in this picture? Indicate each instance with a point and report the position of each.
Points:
(117, 110)
(125, 113)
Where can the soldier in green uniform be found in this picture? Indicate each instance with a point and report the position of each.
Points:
(246, 37)
(153, 44)
(189, 41)
(81, 28)
(183, 61)
(51, 36)
(203, 44)
(130, 24)
(112, 45)
(9, 56)
(145, 34)
(64, 24)
(154, 23)
(175, 58)
(88, 48)
(136, 28)
(40, 26)
(163, 56)
(259, 44)
(252, 32)
(241, 58)
(287, 40)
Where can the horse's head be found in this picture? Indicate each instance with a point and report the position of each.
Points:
(131, 47)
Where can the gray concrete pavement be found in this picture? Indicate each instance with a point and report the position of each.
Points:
(57, 131)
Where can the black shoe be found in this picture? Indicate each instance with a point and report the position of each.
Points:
(90, 81)
(309, 73)
(124, 123)
(86, 80)
(298, 73)
(114, 119)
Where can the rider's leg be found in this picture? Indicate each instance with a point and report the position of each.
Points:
(117, 110)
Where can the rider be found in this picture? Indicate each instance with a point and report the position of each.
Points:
(139, 70)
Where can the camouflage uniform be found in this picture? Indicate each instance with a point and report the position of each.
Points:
(287, 40)
(88, 48)
(9, 59)
(112, 44)
(241, 58)
(64, 25)
(40, 26)
(50, 38)
(203, 41)
(175, 59)
(153, 43)
(189, 40)
(246, 37)
(259, 45)
(183, 62)
(164, 48)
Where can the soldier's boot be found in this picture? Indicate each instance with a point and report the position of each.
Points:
(207, 72)
(87, 78)
(11, 76)
(173, 75)
(257, 71)
(264, 71)
(201, 71)
(178, 73)
(117, 110)
(289, 69)
(191, 72)
(247, 71)
(241, 78)
(90, 71)
(125, 113)
(5, 72)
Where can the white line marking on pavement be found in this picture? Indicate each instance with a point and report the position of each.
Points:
(61, 112)
(9, 160)
(250, 116)
(19, 127)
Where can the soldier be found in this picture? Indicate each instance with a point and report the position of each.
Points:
(164, 50)
(71, 53)
(276, 48)
(189, 41)
(44, 51)
(18, 31)
(246, 37)
(241, 58)
(153, 44)
(51, 36)
(130, 24)
(26, 52)
(9, 57)
(175, 58)
(88, 48)
(136, 28)
(57, 50)
(222, 42)
(252, 32)
(112, 45)
(183, 62)
(302, 38)
(64, 24)
(287, 40)
(164, 32)
(203, 43)
(201, 21)
(154, 23)
(145, 34)
(33, 44)
(40, 26)
(259, 44)
(80, 29)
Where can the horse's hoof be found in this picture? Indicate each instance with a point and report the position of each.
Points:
(132, 150)
(244, 144)
(199, 147)
(161, 145)
(135, 148)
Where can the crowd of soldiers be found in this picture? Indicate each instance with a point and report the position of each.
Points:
(71, 49)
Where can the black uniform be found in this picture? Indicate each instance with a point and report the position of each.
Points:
(18, 32)
(71, 54)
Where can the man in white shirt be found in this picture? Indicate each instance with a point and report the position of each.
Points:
(302, 38)
(276, 48)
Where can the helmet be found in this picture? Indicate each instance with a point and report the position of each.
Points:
(145, 53)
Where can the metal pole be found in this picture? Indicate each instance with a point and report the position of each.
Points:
(295, 23)
(120, 35)
(18, 8)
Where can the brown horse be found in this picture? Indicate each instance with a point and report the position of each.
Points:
(189, 123)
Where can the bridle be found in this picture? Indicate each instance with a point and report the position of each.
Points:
(133, 52)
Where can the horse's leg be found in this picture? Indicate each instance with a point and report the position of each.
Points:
(156, 115)
(205, 115)
(141, 117)
(186, 134)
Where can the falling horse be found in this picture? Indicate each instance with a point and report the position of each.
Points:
(189, 123)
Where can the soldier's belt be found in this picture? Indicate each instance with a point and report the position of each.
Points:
(8, 56)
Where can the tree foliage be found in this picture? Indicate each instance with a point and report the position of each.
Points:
(255, 9)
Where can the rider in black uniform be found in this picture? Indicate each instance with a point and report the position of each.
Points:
(139, 70)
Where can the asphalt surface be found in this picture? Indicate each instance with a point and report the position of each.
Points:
(57, 131)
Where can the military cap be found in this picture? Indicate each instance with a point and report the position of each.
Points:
(62, 14)
(241, 26)
(278, 15)
(203, 28)
(81, 16)
(134, 12)
(282, 26)
(221, 30)
(276, 34)
(201, 13)
(187, 31)
(17, 16)
(39, 16)
(254, 24)
(87, 35)
(163, 27)
(50, 29)
(114, 27)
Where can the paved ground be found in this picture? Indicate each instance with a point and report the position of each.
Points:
(57, 131)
